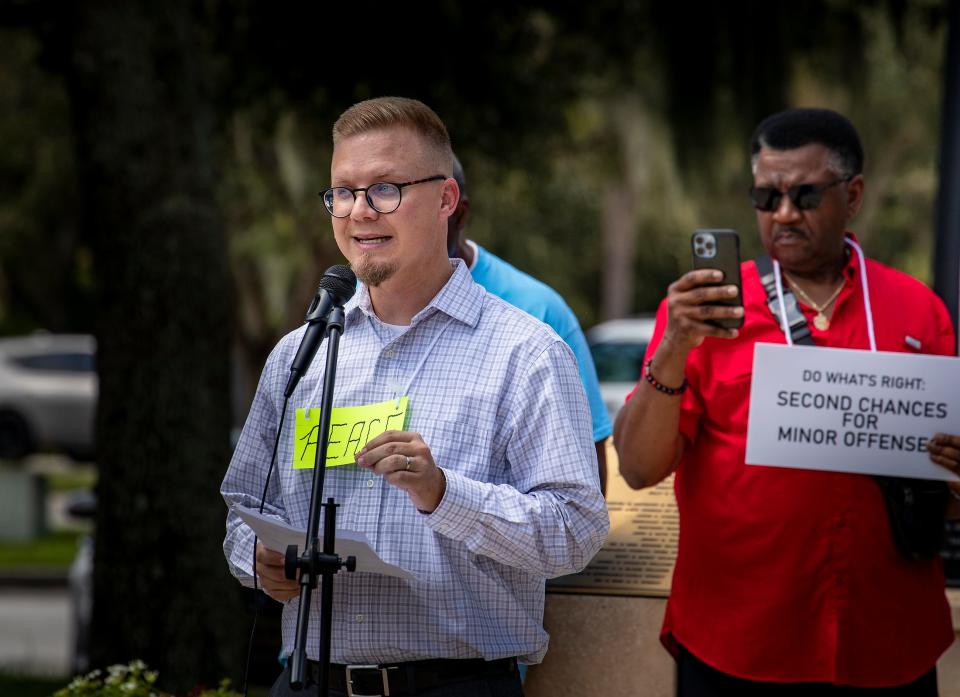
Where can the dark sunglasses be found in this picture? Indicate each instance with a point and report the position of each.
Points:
(805, 197)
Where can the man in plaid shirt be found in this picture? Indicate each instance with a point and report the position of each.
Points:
(492, 485)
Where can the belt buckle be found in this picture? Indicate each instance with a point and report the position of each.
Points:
(383, 677)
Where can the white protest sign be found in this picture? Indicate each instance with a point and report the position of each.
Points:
(845, 410)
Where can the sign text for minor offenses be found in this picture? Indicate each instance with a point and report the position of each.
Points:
(851, 411)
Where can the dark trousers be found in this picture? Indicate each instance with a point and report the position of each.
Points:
(498, 686)
(696, 679)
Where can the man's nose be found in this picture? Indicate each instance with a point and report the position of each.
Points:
(786, 211)
(362, 210)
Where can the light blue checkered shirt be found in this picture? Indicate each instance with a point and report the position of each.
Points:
(498, 400)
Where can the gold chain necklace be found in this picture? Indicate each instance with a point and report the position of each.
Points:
(820, 320)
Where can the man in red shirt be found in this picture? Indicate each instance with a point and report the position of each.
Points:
(787, 580)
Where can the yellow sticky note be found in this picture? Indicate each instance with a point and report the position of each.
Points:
(350, 429)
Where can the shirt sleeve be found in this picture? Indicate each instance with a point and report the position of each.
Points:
(600, 420)
(245, 478)
(551, 519)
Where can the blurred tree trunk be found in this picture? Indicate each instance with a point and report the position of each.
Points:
(142, 124)
(619, 246)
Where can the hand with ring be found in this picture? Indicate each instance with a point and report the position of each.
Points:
(407, 463)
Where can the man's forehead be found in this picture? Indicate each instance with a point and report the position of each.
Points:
(381, 153)
(805, 162)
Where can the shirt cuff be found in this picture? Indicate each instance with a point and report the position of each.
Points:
(458, 513)
(241, 555)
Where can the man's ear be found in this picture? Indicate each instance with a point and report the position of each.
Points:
(854, 196)
(449, 196)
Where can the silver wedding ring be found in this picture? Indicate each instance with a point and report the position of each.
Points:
(408, 462)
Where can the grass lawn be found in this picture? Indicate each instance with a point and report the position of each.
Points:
(76, 477)
(54, 550)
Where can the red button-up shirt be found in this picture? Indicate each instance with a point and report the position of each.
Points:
(789, 575)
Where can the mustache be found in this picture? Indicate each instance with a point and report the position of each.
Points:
(789, 229)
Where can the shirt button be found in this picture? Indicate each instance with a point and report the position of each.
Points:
(390, 352)
(358, 618)
(369, 483)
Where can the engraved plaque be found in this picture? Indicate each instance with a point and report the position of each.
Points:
(638, 557)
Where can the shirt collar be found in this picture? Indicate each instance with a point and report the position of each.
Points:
(853, 260)
(461, 298)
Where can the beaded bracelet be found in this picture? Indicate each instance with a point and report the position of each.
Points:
(672, 391)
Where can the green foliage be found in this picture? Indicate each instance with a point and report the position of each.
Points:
(45, 279)
(546, 118)
(131, 680)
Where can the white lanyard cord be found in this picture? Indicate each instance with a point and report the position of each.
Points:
(867, 307)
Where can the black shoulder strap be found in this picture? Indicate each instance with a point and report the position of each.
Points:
(799, 329)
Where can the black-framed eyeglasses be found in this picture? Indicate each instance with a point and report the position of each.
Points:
(383, 197)
(805, 197)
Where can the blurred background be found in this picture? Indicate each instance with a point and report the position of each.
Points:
(160, 229)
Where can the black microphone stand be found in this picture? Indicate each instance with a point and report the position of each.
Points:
(312, 562)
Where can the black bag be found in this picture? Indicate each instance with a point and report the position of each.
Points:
(916, 507)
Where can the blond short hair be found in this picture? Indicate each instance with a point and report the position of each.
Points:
(393, 112)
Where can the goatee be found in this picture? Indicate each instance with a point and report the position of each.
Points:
(372, 273)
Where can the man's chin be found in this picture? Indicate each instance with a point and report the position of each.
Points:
(791, 250)
(373, 273)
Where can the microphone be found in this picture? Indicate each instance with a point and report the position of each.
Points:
(336, 287)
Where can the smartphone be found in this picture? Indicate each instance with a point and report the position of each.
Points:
(720, 249)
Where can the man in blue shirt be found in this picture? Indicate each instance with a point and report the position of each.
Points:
(535, 298)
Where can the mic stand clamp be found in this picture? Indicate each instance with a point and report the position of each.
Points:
(313, 563)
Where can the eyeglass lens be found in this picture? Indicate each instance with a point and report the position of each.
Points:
(805, 197)
(382, 197)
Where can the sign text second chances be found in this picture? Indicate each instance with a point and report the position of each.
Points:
(847, 410)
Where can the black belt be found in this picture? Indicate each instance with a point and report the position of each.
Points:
(410, 678)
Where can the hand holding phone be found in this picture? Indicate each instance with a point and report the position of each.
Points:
(720, 249)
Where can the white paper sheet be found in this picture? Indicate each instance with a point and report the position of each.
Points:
(278, 536)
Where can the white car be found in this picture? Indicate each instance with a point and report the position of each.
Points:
(617, 347)
(48, 394)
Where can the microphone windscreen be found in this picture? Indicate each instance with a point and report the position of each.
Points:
(340, 282)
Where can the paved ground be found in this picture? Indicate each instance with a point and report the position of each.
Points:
(35, 628)
(35, 635)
